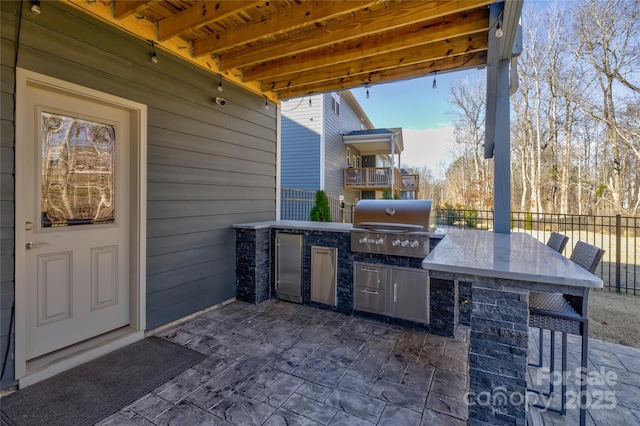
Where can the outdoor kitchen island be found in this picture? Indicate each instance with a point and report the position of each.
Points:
(502, 269)
(256, 276)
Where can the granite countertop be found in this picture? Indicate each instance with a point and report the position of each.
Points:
(516, 256)
(310, 226)
(298, 224)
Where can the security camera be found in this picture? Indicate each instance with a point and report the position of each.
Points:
(221, 101)
(35, 7)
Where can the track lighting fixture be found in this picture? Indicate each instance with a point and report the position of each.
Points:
(266, 103)
(220, 101)
(35, 7)
(434, 85)
(220, 83)
(310, 103)
(367, 87)
(154, 57)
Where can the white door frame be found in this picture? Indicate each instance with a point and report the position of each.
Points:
(138, 227)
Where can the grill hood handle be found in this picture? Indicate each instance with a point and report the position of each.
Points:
(389, 227)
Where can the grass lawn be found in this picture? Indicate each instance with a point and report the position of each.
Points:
(614, 317)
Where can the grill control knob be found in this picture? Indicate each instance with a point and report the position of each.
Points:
(405, 243)
(395, 243)
(379, 241)
(414, 244)
(363, 240)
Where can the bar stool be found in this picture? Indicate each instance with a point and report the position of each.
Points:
(557, 242)
(568, 315)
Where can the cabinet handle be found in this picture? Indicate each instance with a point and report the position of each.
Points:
(277, 274)
(327, 251)
(370, 270)
(395, 292)
(369, 292)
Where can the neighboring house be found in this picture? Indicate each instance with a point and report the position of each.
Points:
(313, 153)
(329, 143)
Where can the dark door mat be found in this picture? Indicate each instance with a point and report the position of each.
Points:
(90, 392)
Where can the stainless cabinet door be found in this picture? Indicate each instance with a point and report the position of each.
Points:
(409, 295)
(289, 267)
(324, 269)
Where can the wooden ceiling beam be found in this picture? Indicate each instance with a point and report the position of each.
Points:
(410, 36)
(124, 8)
(474, 60)
(146, 30)
(200, 14)
(394, 16)
(306, 13)
(419, 54)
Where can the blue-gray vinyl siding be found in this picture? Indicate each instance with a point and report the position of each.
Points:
(336, 125)
(301, 133)
(7, 216)
(208, 167)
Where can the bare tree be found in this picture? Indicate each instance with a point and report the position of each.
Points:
(575, 119)
(467, 97)
(610, 31)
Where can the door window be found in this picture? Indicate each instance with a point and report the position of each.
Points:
(78, 171)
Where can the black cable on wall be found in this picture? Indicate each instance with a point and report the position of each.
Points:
(13, 305)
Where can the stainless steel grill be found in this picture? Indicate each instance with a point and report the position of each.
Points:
(393, 227)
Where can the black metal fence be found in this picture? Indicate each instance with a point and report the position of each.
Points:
(296, 204)
(620, 266)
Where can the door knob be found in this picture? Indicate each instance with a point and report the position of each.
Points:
(31, 245)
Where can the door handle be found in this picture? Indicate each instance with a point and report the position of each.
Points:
(395, 292)
(368, 291)
(31, 245)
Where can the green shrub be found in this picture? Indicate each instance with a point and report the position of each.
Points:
(528, 221)
(471, 218)
(321, 212)
(447, 215)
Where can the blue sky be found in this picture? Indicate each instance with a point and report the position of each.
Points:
(420, 110)
(411, 104)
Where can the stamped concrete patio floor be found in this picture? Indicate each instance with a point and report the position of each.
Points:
(280, 363)
(613, 385)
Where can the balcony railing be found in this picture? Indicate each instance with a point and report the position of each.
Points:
(378, 178)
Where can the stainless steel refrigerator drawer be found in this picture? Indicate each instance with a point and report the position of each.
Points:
(370, 275)
(370, 300)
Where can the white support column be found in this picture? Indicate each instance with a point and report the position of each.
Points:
(393, 166)
(497, 124)
(502, 154)
(278, 159)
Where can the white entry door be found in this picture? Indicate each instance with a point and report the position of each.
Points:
(75, 187)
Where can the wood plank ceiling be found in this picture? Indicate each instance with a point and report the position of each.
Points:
(289, 48)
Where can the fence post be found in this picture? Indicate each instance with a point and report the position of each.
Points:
(618, 249)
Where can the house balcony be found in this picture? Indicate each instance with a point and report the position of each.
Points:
(379, 178)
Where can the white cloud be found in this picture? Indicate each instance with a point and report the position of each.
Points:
(430, 147)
